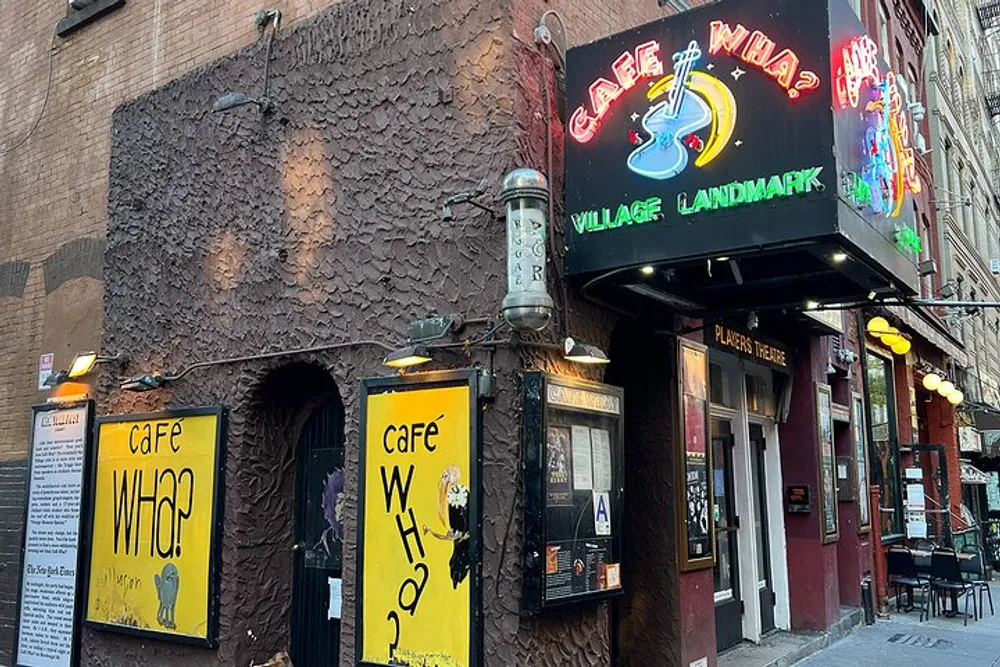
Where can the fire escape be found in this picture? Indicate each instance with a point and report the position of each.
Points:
(989, 20)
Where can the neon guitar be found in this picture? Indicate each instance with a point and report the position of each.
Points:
(669, 122)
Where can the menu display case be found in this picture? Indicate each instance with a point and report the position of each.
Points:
(573, 491)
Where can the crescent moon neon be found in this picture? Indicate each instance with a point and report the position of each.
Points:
(720, 100)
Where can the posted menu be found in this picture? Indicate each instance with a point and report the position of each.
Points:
(579, 487)
(46, 620)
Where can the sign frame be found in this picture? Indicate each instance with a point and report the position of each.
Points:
(83, 542)
(537, 402)
(825, 501)
(859, 429)
(468, 377)
(686, 562)
(211, 639)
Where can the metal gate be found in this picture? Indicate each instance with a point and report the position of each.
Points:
(319, 527)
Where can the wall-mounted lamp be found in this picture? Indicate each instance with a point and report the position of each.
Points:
(85, 362)
(410, 355)
(234, 100)
(890, 336)
(56, 379)
(527, 306)
(927, 268)
(581, 353)
(145, 382)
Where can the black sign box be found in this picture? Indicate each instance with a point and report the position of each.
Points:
(573, 491)
(755, 153)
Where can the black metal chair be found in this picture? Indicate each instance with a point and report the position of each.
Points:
(946, 576)
(975, 570)
(903, 575)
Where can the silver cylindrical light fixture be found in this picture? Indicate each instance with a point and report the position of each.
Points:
(525, 194)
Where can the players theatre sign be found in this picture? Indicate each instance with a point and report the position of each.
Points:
(685, 133)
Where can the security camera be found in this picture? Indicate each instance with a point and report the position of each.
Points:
(847, 357)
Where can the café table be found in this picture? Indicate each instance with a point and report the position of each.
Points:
(967, 562)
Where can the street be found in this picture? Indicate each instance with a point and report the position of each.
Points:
(902, 640)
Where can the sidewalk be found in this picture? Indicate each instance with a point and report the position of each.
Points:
(901, 640)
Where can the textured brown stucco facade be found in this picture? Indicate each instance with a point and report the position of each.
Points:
(237, 233)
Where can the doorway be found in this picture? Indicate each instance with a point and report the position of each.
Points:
(726, 574)
(765, 580)
(319, 523)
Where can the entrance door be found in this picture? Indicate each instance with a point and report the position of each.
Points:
(319, 502)
(765, 584)
(728, 606)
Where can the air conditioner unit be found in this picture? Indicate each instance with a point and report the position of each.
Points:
(995, 267)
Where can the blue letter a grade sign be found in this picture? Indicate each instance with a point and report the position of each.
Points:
(602, 513)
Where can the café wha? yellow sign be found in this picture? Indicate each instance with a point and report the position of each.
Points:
(419, 506)
(155, 509)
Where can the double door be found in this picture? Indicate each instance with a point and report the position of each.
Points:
(732, 593)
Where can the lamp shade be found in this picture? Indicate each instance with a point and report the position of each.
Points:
(582, 353)
(878, 326)
(932, 381)
(411, 355)
(83, 364)
(945, 388)
(891, 338)
(956, 397)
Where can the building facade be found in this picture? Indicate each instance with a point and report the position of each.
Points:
(270, 208)
(962, 72)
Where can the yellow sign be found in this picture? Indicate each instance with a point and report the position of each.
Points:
(154, 511)
(418, 559)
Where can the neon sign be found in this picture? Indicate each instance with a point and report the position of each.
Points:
(758, 50)
(859, 63)
(753, 191)
(636, 213)
(628, 70)
(907, 239)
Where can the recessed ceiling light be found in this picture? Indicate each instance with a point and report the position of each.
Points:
(838, 257)
(812, 305)
(647, 270)
(722, 259)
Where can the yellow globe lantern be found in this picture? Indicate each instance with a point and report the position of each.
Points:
(901, 347)
(892, 337)
(956, 397)
(878, 326)
(932, 381)
(946, 388)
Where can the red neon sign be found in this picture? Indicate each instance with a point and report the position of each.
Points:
(629, 70)
(859, 65)
(757, 49)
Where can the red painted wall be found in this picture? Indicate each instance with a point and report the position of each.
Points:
(697, 614)
(812, 566)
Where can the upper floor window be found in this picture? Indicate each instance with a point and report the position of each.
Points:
(883, 32)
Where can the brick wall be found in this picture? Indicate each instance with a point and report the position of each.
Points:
(54, 187)
(13, 477)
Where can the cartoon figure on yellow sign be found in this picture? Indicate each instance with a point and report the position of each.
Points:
(453, 511)
(166, 590)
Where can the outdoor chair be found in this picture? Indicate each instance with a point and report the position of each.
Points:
(946, 576)
(902, 570)
(975, 571)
